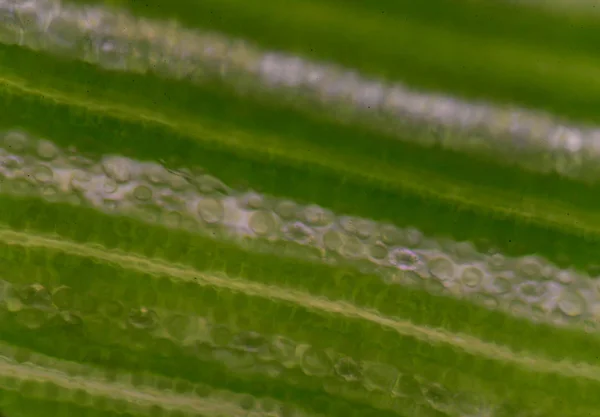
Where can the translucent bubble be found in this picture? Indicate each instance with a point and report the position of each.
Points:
(496, 262)
(353, 247)
(220, 335)
(47, 150)
(111, 52)
(364, 229)
(413, 237)
(530, 267)
(390, 234)
(250, 341)
(571, 304)
(35, 295)
(15, 141)
(62, 297)
(80, 180)
(379, 376)
(465, 250)
(472, 276)
(333, 240)
(565, 276)
(32, 318)
(441, 268)
(316, 362)
(12, 300)
(177, 326)
(519, 308)
(269, 405)
(437, 396)
(113, 309)
(172, 219)
(43, 174)
(69, 318)
(485, 300)
(254, 201)
(143, 318)
(378, 251)
(177, 181)
(211, 210)
(287, 209)
(348, 369)
(317, 216)
(284, 350)
(404, 259)
(532, 290)
(208, 184)
(262, 223)
(142, 193)
(299, 232)
(235, 360)
(501, 284)
(11, 31)
(117, 168)
(109, 186)
(247, 402)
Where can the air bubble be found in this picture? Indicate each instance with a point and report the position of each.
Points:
(113, 309)
(110, 186)
(316, 362)
(15, 142)
(378, 376)
(530, 267)
(571, 304)
(532, 290)
(247, 402)
(142, 193)
(284, 350)
(117, 168)
(286, 210)
(211, 210)
(348, 369)
(143, 318)
(62, 297)
(177, 326)
(262, 223)
(486, 301)
(250, 341)
(43, 174)
(333, 240)
(47, 150)
(519, 308)
(501, 284)
(254, 201)
(353, 247)
(32, 318)
(156, 174)
(472, 276)
(317, 216)
(35, 295)
(234, 359)
(437, 396)
(172, 219)
(441, 268)
(299, 232)
(565, 277)
(220, 335)
(112, 52)
(80, 180)
(378, 251)
(404, 259)
(364, 229)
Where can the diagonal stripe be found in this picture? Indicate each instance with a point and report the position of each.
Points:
(465, 342)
